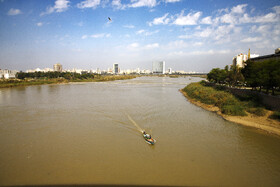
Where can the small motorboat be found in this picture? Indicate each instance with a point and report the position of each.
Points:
(148, 138)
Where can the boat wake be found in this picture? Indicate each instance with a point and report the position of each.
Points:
(135, 124)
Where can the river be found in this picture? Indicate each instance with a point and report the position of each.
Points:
(80, 133)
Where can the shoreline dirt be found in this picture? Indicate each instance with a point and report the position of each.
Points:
(259, 122)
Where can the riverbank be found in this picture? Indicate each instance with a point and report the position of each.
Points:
(28, 82)
(260, 121)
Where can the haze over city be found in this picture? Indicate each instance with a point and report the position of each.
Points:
(188, 35)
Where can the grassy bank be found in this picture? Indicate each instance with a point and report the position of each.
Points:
(27, 82)
(246, 112)
(226, 102)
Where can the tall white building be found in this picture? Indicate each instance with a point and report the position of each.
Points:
(159, 67)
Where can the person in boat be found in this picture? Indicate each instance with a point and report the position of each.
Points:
(149, 137)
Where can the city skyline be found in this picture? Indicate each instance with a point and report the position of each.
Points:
(187, 34)
(112, 70)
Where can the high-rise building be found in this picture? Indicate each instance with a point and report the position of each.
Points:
(57, 67)
(159, 67)
(238, 60)
(116, 68)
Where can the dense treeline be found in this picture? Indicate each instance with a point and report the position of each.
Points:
(265, 74)
(55, 74)
(38, 78)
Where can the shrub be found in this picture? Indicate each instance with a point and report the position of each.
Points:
(233, 110)
(225, 101)
(257, 111)
(275, 115)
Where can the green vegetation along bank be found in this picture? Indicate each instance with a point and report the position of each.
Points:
(264, 75)
(247, 112)
(26, 79)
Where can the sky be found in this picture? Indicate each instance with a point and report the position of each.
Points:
(189, 35)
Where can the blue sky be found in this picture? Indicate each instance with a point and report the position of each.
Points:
(189, 35)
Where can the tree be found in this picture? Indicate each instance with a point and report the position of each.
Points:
(217, 75)
(264, 74)
(235, 76)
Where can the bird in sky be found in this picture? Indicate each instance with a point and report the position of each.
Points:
(109, 19)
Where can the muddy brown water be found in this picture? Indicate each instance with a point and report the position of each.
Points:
(80, 134)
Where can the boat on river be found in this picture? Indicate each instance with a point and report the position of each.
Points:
(148, 138)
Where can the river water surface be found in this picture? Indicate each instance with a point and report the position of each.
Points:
(80, 133)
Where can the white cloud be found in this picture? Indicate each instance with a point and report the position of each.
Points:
(198, 27)
(133, 45)
(237, 15)
(59, 6)
(228, 18)
(251, 39)
(239, 9)
(88, 4)
(264, 29)
(13, 12)
(206, 20)
(101, 35)
(220, 11)
(129, 26)
(176, 44)
(146, 33)
(84, 37)
(223, 31)
(245, 19)
(137, 47)
(204, 33)
(97, 35)
(118, 5)
(198, 44)
(49, 10)
(186, 36)
(172, 1)
(161, 20)
(143, 3)
(276, 31)
(39, 24)
(151, 46)
(209, 52)
(270, 17)
(190, 19)
(140, 31)
(276, 9)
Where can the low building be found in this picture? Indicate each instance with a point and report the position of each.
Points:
(57, 67)
(275, 56)
(7, 74)
(169, 70)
